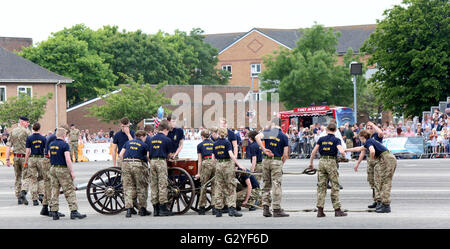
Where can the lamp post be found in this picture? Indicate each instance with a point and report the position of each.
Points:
(355, 69)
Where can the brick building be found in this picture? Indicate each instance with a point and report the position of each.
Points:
(242, 53)
(192, 104)
(18, 75)
(15, 43)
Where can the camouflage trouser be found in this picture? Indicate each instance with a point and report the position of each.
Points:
(372, 171)
(259, 170)
(38, 172)
(225, 180)
(159, 182)
(328, 171)
(272, 176)
(46, 181)
(241, 193)
(147, 179)
(74, 151)
(135, 183)
(21, 173)
(61, 178)
(207, 172)
(383, 179)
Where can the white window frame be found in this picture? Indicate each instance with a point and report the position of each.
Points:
(255, 73)
(4, 87)
(26, 87)
(225, 67)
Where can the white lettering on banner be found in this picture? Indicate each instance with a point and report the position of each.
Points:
(97, 152)
(189, 149)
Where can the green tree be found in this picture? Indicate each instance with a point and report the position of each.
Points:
(15, 107)
(135, 99)
(411, 48)
(309, 74)
(70, 57)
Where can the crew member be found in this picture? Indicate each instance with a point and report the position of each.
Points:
(159, 152)
(206, 170)
(17, 139)
(276, 149)
(387, 163)
(231, 136)
(120, 138)
(35, 146)
(372, 165)
(74, 134)
(328, 148)
(62, 175)
(256, 157)
(176, 135)
(225, 177)
(134, 155)
(247, 191)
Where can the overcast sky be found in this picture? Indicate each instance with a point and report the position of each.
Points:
(37, 19)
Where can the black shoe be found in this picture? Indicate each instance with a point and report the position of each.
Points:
(44, 210)
(214, 211)
(144, 212)
(252, 208)
(374, 205)
(384, 209)
(379, 205)
(218, 212)
(35, 203)
(201, 211)
(225, 209)
(156, 210)
(133, 211)
(232, 212)
(238, 208)
(23, 196)
(163, 211)
(41, 197)
(19, 201)
(74, 214)
(55, 215)
(61, 214)
(128, 214)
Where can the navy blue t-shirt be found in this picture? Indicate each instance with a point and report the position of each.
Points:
(205, 148)
(120, 138)
(135, 149)
(376, 137)
(176, 135)
(231, 136)
(49, 140)
(36, 143)
(221, 148)
(148, 141)
(275, 140)
(160, 146)
(255, 150)
(57, 149)
(379, 148)
(243, 177)
(328, 145)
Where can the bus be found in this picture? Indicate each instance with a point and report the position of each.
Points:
(306, 116)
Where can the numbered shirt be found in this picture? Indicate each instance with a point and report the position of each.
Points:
(222, 148)
(36, 143)
(205, 148)
(135, 149)
(160, 146)
(57, 149)
(275, 140)
(328, 145)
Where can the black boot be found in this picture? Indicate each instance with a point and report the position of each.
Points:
(201, 211)
(23, 196)
(225, 209)
(320, 212)
(238, 208)
(218, 212)
(156, 210)
(163, 211)
(266, 211)
(74, 214)
(232, 212)
(55, 215)
(133, 211)
(19, 200)
(339, 213)
(374, 205)
(128, 214)
(214, 211)
(44, 210)
(379, 205)
(35, 203)
(384, 209)
(144, 212)
(41, 197)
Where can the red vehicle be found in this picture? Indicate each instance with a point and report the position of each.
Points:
(306, 116)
